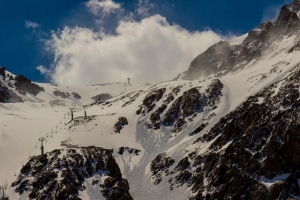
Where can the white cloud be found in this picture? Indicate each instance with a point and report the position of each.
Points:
(143, 7)
(43, 70)
(30, 24)
(151, 50)
(103, 7)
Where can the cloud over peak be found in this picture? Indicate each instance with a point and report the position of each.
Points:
(150, 50)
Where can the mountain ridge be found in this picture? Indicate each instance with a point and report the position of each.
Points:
(232, 134)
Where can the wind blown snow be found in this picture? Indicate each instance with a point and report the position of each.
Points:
(147, 50)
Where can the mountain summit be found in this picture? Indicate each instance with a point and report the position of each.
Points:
(223, 58)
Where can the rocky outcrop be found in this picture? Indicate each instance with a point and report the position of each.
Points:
(24, 86)
(150, 100)
(2, 72)
(61, 174)
(64, 95)
(132, 151)
(122, 121)
(76, 95)
(179, 112)
(191, 103)
(102, 97)
(160, 167)
(8, 96)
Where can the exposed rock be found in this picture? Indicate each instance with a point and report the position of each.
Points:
(155, 117)
(129, 150)
(192, 102)
(198, 129)
(64, 95)
(102, 97)
(24, 86)
(76, 95)
(150, 99)
(160, 166)
(61, 174)
(8, 96)
(2, 72)
(122, 121)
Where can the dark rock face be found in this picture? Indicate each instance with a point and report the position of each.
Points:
(207, 62)
(178, 112)
(129, 150)
(8, 96)
(150, 99)
(199, 129)
(255, 144)
(60, 174)
(2, 71)
(64, 95)
(76, 95)
(102, 97)
(122, 121)
(191, 103)
(24, 86)
(160, 167)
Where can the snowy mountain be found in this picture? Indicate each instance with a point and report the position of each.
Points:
(228, 129)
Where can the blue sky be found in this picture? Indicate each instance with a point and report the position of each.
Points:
(27, 26)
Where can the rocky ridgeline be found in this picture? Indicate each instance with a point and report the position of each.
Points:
(178, 112)
(20, 83)
(222, 58)
(61, 174)
(8, 96)
(24, 86)
(256, 145)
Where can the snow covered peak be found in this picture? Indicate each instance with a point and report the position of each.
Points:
(223, 58)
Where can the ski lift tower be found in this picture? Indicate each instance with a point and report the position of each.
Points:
(84, 111)
(42, 146)
(72, 115)
(3, 188)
